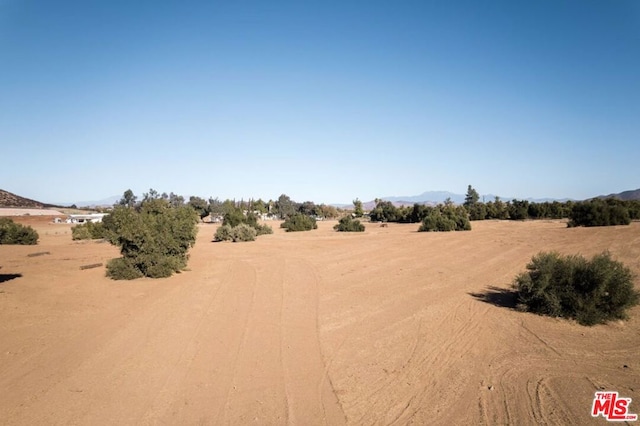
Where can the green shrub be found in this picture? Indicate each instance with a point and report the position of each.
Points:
(243, 232)
(154, 238)
(347, 224)
(436, 222)
(15, 233)
(589, 291)
(152, 265)
(446, 218)
(223, 233)
(122, 269)
(263, 229)
(299, 222)
(384, 211)
(80, 232)
(88, 231)
(234, 218)
(598, 212)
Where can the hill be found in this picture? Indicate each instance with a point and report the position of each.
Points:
(10, 200)
(633, 194)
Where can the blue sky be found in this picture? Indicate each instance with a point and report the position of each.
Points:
(320, 100)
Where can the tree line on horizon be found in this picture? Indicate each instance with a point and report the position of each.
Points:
(282, 208)
(154, 234)
(595, 212)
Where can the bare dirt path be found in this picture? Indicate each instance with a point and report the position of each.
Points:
(386, 327)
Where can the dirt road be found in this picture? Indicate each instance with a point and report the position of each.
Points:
(386, 327)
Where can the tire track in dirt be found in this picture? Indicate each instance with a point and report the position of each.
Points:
(311, 397)
(239, 350)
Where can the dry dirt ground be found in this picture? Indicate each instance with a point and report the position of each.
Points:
(386, 327)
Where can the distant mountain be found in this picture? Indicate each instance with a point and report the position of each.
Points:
(633, 194)
(11, 200)
(105, 202)
(428, 197)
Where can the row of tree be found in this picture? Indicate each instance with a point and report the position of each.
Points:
(155, 233)
(282, 208)
(596, 212)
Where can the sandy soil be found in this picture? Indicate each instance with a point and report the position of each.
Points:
(4, 211)
(386, 327)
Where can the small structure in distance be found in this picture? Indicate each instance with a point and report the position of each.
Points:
(84, 218)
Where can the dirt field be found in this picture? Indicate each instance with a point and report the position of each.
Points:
(386, 327)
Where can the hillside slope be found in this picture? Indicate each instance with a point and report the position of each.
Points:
(8, 199)
(633, 194)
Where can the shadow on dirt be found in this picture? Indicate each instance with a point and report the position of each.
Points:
(498, 296)
(8, 277)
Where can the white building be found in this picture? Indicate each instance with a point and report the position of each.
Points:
(83, 218)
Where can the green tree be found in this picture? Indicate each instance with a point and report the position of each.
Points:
(328, 212)
(446, 218)
(176, 200)
(599, 212)
(260, 206)
(151, 195)
(309, 208)
(419, 212)
(357, 208)
(153, 240)
(216, 207)
(285, 206)
(299, 222)
(501, 211)
(234, 217)
(384, 211)
(478, 211)
(471, 198)
(518, 209)
(200, 206)
(128, 199)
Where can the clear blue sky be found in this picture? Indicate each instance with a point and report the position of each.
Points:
(321, 100)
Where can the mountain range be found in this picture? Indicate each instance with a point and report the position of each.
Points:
(633, 194)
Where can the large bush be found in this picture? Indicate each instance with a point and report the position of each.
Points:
(223, 233)
(263, 229)
(384, 211)
(154, 239)
(446, 218)
(234, 217)
(237, 226)
(589, 291)
(348, 224)
(243, 232)
(600, 213)
(15, 233)
(299, 222)
(88, 231)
